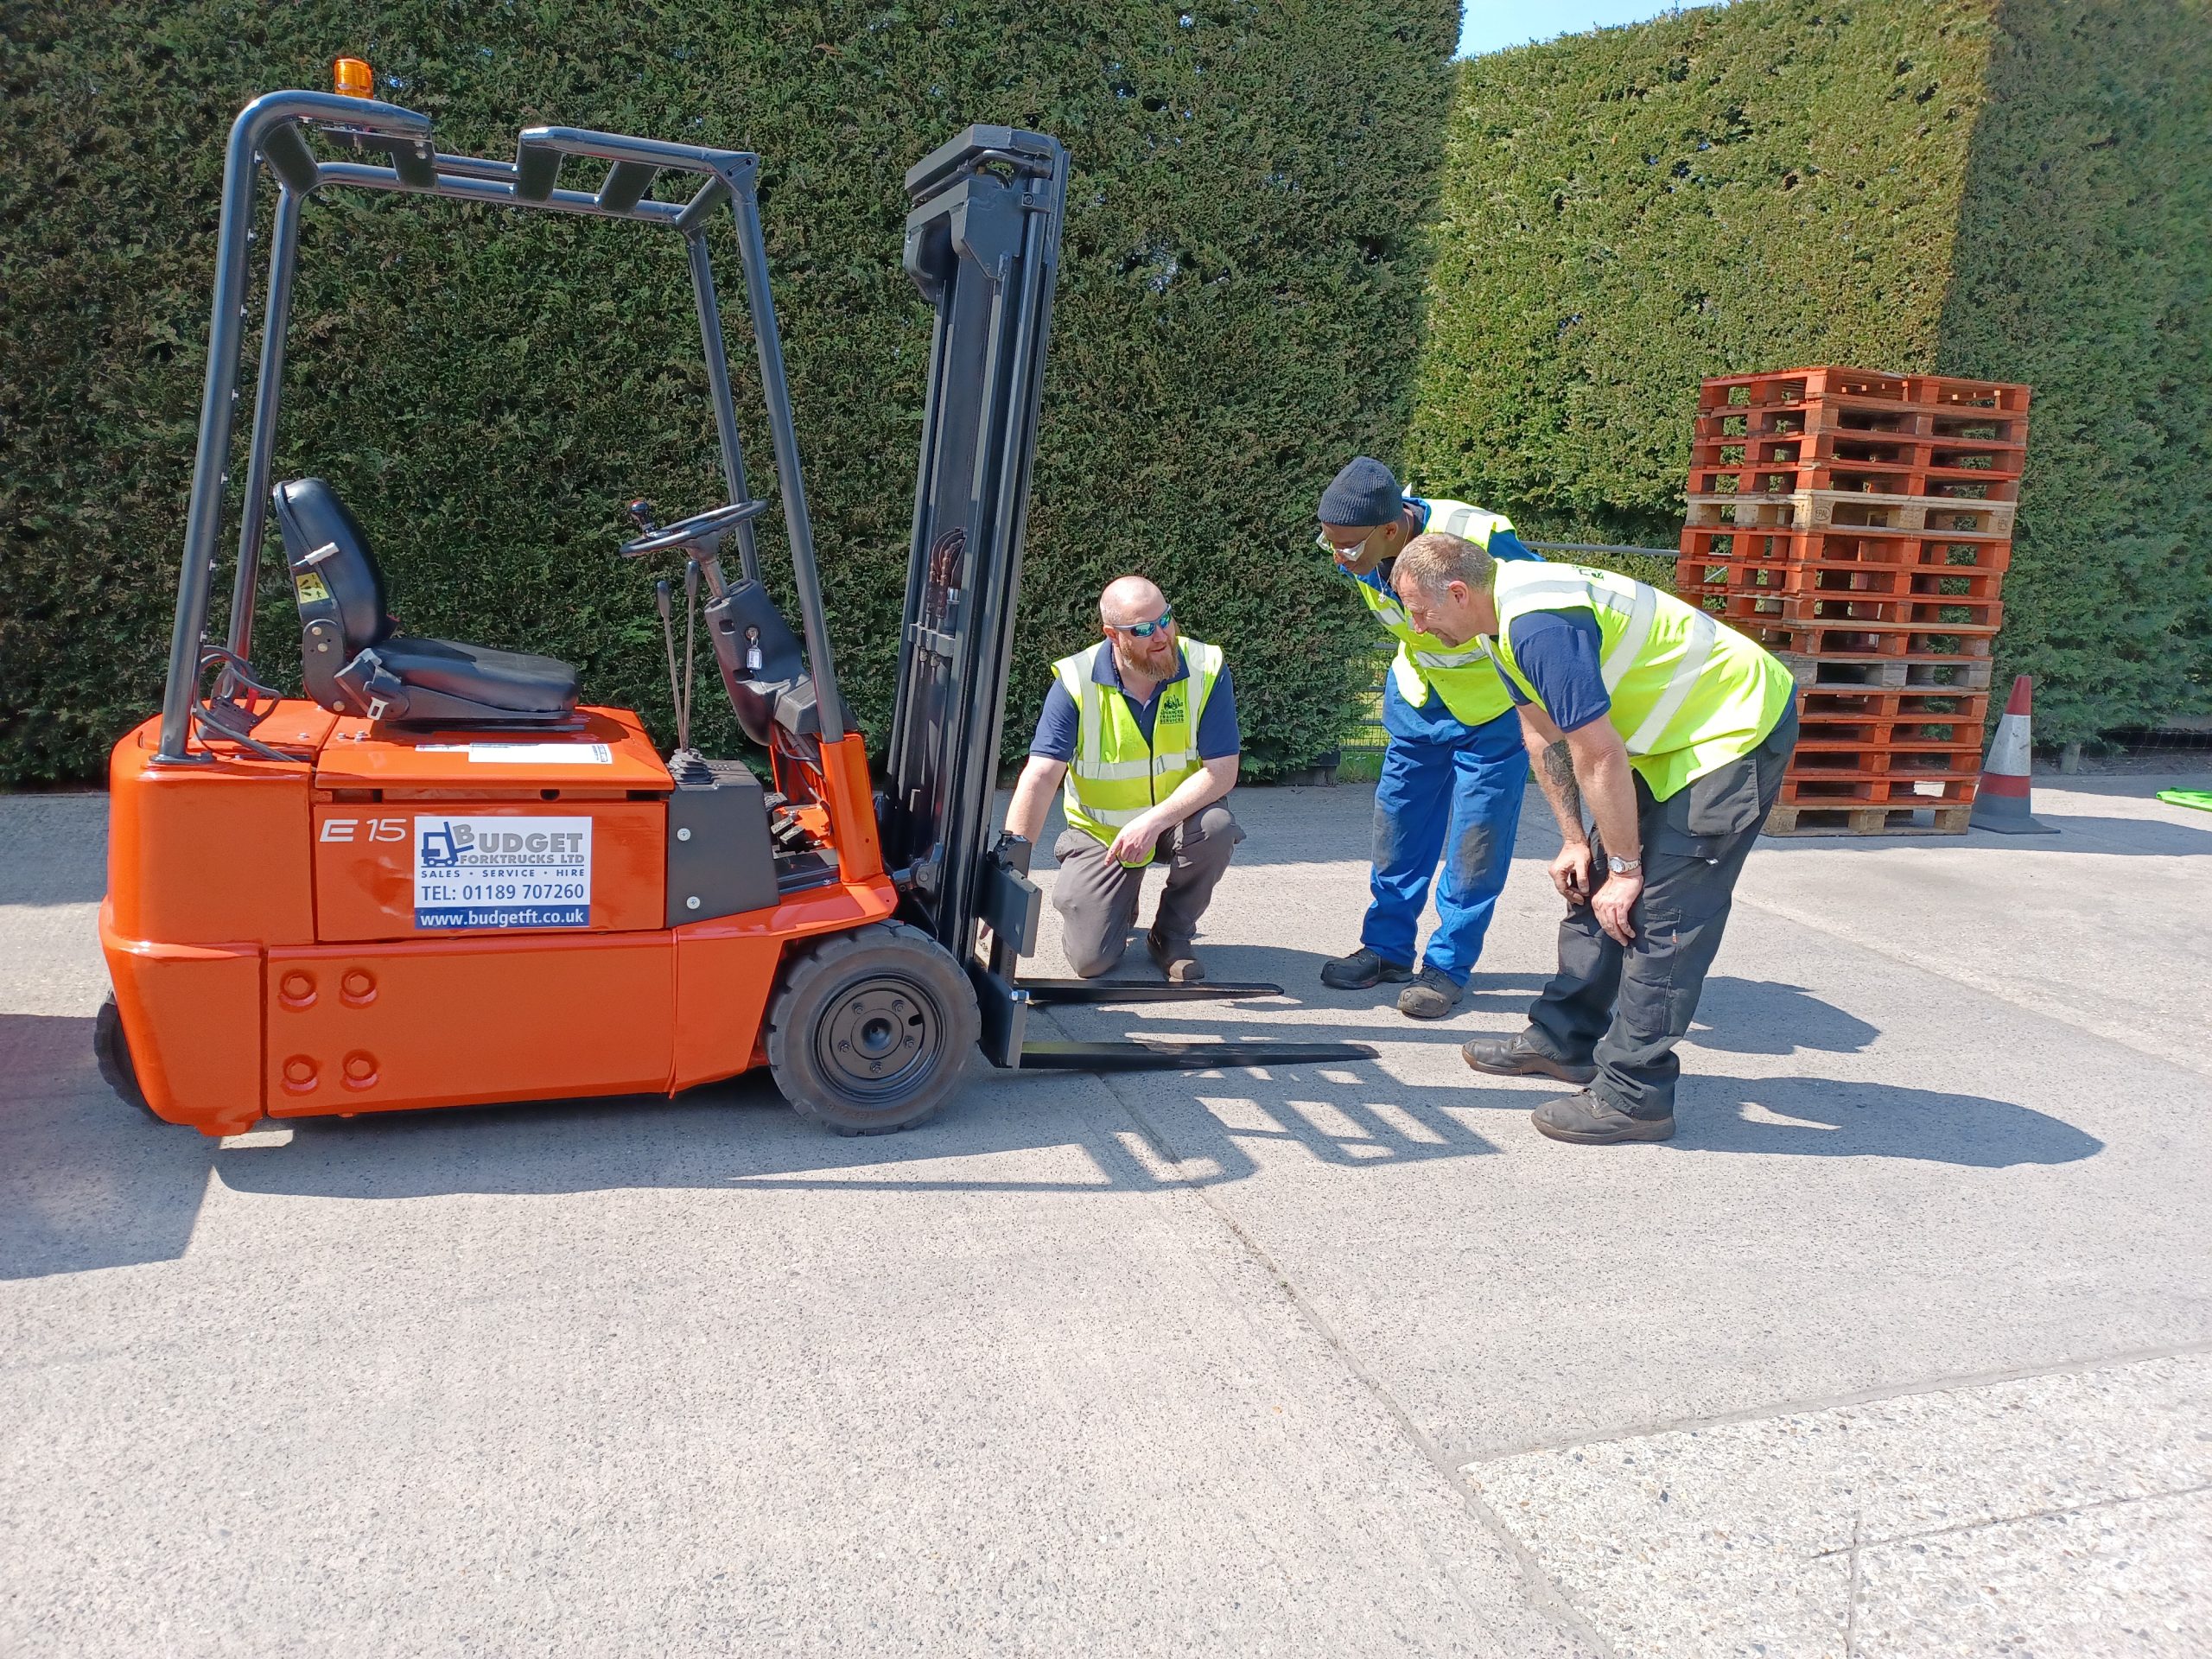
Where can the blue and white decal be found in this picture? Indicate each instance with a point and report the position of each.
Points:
(502, 871)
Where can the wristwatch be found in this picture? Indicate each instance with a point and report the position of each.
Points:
(1620, 866)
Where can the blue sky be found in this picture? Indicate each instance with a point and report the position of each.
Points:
(1491, 24)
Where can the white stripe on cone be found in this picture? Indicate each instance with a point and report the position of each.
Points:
(2008, 750)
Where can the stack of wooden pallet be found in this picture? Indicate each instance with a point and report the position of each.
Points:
(1859, 524)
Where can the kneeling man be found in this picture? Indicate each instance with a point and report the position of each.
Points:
(1143, 728)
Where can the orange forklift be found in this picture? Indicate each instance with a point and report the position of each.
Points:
(438, 878)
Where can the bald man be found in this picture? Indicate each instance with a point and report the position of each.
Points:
(1142, 728)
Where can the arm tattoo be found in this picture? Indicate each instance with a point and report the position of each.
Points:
(1558, 783)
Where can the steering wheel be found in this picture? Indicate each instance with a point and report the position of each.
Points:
(700, 527)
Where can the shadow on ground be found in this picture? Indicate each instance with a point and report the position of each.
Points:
(1206, 1129)
(91, 1183)
(1740, 1016)
(85, 1181)
(741, 1134)
(1830, 1118)
(1758, 1016)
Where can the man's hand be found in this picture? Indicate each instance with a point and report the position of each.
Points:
(1570, 871)
(1613, 902)
(1134, 844)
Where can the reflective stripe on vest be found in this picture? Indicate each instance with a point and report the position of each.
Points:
(1461, 675)
(1688, 694)
(1116, 776)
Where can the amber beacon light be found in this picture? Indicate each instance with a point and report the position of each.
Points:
(351, 78)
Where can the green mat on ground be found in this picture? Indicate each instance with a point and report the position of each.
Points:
(2199, 798)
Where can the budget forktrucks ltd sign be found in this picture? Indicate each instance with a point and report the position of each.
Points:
(507, 872)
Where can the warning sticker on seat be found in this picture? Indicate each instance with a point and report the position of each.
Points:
(502, 871)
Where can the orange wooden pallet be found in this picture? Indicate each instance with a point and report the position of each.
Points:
(1822, 608)
(1930, 675)
(1897, 788)
(1831, 385)
(1851, 547)
(1848, 419)
(1859, 524)
(1816, 761)
(1699, 578)
(1851, 510)
(1886, 734)
(1818, 640)
(1832, 702)
(1856, 478)
(1909, 451)
(1793, 820)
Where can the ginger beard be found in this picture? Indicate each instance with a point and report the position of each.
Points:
(1145, 659)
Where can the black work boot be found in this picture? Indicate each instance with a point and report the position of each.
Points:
(1589, 1121)
(1514, 1056)
(1178, 962)
(1362, 968)
(1432, 995)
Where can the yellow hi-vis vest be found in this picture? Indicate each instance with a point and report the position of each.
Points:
(1116, 776)
(1461, 675)
(1689, 695)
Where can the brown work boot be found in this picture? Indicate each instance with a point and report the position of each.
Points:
(1177, 961)
(1517, 1057)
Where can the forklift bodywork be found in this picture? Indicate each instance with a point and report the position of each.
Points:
(439, 879)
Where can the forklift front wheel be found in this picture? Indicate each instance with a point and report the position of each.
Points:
(871, 1031)
(112, 1049)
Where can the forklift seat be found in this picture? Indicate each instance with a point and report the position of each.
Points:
(354, 659)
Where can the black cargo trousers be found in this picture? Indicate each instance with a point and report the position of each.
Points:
(1624, 1008)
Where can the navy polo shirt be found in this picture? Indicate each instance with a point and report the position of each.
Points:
(1560, 652)
(1060, 724)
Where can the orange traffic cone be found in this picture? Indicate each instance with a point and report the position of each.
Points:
(2002, 802)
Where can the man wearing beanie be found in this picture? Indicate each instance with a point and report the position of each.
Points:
(1454, 769)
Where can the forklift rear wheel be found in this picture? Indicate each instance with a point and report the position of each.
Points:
(871, 1030)
(112, 1049)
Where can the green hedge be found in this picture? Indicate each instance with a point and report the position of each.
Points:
(2084, 267)
(1239, 311)
(2015, 192)
(1766, 184)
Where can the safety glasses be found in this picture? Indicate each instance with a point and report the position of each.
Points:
(1145, 630)
(1335, 551)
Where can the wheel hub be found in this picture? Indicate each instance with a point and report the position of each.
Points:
(879, 1040)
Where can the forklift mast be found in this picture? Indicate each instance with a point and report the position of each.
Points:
(983, 246)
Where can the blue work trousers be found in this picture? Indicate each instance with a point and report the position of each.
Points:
(1451, 792)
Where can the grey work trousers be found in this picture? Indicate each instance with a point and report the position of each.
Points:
(1624, 1008)
(1097, 896)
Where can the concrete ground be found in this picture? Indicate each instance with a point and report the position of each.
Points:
(1903, 1347)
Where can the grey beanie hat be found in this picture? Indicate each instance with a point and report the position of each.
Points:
(1364, 494)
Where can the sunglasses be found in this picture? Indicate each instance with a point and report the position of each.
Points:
(1146, 630)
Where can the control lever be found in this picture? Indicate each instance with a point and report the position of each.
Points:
(661, 592)
(691, 624)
